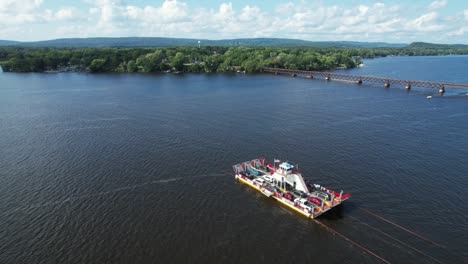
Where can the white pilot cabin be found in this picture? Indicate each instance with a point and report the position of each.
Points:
(284, 175)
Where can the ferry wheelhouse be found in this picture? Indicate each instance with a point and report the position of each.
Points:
(286, 185)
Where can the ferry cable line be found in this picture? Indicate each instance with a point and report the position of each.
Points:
(399, 226)
(396, 239)
(351, 241)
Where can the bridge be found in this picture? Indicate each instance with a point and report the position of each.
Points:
(386, 82)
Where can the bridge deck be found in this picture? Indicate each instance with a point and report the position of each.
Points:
(362, 79)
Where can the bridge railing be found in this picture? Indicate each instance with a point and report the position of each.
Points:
(361, 79)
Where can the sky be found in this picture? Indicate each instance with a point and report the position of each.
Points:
(437, 21)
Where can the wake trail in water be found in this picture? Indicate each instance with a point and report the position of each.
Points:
(86, 128)
(104, 193)
(354, 98)
(360, 118)
(457, 115)
(391, 100)
(72, 122)
(8, 128)
(106, 119)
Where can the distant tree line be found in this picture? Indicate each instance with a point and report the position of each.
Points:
(203, 59)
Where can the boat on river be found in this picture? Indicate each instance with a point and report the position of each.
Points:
(285, 184)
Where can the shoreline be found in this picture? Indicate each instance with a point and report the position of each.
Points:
(82, 69)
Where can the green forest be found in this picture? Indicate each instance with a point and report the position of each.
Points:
(200, 59)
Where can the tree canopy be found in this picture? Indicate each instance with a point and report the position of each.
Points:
(203, 59)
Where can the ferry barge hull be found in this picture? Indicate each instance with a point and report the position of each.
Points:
(287, 186)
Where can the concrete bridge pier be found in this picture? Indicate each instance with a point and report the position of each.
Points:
(442, 89)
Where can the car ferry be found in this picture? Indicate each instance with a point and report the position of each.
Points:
(285, 184)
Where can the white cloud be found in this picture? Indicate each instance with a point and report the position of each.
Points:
(225, 13)
(458, 32)
(438, 4)
(14, 13)
(312, 20)
(67, 13)
(249, 13)
(287, 8)
(18, 6)
(17, 13)
(168, 12)
(426, 23)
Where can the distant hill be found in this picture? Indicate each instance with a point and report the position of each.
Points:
(425, 45)
(168, 42)
(255, 42)
(8, 42)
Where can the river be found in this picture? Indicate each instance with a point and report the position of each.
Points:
(113, 168)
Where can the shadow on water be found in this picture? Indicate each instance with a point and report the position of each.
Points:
(340, 211)
(336, 213)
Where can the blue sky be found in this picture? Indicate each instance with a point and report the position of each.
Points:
(439, 21)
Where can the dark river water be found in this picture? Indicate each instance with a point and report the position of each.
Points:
(132, 168)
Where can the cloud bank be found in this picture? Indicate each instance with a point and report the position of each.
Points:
(310, 20)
